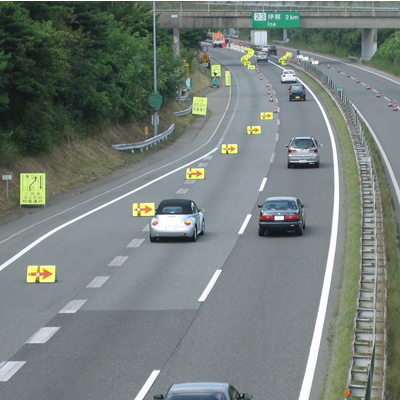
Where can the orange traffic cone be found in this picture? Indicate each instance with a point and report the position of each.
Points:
(348, 74)
(328, 65)
(338, 70)
(267, 83)
(269, 91)
(390, 103)
(395, 106)
(261, 77)
(378, 94)
(271, 99)
(358, 80)
(368, 86)
(275, 109)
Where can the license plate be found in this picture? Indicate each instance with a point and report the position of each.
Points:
(297, 97)
(302, 161)
(279, 217)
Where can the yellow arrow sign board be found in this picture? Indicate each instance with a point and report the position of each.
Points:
(229, 148)
(32, 189)
(267, 115)
(228, 79)
(143, 209)
(253, 130)
(199, 106)
(198, 173)
(41, 274)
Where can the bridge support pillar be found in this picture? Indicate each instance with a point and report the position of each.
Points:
(285, 38)
(176, 49)
(369, 42)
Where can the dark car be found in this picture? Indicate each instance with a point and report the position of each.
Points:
(297, 92)
(282, 214)
(273, 50)
(303, 150)
(203, 391)
(262, 56)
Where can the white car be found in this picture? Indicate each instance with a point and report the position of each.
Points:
(288, 75)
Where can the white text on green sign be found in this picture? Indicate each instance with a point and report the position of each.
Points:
(276, 19)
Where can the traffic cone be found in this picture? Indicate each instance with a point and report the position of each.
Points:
(358, 80)
(378, 94)
(267, 83)
(269, 91)
(258, 69)
(338, 70)
(275, 109)
(368, 86)
(390, 103)
(271, 99)
(328, 65)
(261, 77)
(395, 106)
(348, 74)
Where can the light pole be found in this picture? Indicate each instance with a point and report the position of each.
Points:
(155, 64)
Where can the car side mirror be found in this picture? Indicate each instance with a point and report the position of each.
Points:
(304, 205)
(286, 145)
(320, 145)
(202, 209)
(158, 397)
(246, 396)
(260, 205)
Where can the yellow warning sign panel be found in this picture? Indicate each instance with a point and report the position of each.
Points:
(215, 70)
(199, 106)
(32, 189)
(229, 148)
(267, 115)
(253, 130)
(205, 57)
(251, 66)
(41, 274)
(228, 78)
(198, 173)
(143, 209)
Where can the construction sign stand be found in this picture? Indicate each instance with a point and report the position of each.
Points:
(41, 274)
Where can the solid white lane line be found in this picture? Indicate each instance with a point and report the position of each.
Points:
(9, 368)
(43, 335)
(246, 221)
(118, 261)
(97, 282)
(323, 305)
(210, 285)
(146, 387)
(72, 307)
(136, 242)
(262, 186)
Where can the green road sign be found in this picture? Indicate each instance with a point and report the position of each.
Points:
(277, 19)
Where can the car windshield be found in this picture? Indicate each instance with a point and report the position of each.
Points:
(262, 53)
(303, 144)
(280, 205)
(297, 87)
(179, 207)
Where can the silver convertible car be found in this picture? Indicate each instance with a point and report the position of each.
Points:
(177, 218)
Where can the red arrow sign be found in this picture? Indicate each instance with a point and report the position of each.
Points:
(198, 173)
(254, 130)
(229, 148)
(38, 274)
(145, 209)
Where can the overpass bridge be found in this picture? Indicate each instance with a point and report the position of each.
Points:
(365, 15)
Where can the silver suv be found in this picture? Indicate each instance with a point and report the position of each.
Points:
(303, 150)
(262, 56)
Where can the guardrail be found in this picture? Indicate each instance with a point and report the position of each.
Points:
(183, 112)
(367, 373)
(146, 143)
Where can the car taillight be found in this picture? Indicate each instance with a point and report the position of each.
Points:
(188, 222)
(154, 223)
(313, 151)
(266, 217)
(292, 217)
(292, 151)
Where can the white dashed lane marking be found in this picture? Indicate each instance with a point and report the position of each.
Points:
(97, 282)
(72, 307)
(43, 335)
(136, 242)
(118, 261)
(8, 369)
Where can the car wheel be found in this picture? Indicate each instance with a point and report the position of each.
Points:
(152, 239)
(289, 165)
(304, 224)
(204, 227)
(290, 99)
(317, 164)
(194, 237)
(260, 232)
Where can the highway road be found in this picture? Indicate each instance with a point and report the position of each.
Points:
(127, 318)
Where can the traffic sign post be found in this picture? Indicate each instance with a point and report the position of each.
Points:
(41, 274)
(7, 178)
(32, 189)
